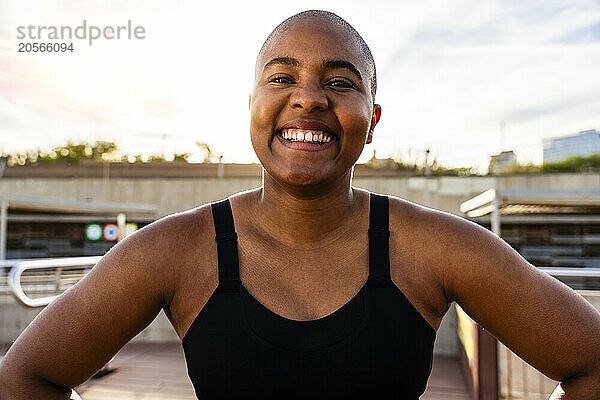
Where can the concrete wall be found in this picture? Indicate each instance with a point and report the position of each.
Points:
(176, 194)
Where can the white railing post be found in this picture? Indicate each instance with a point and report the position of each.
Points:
(3, 222)
(122, 224)
(495, 217)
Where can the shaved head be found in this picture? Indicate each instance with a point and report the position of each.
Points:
(330, 19)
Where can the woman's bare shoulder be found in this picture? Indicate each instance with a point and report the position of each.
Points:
(430, 224)
(182, 243)
(173, 237)
(443, 240)
(195, 221)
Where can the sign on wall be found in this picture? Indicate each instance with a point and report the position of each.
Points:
(110, 232)
(93, 232)
(107, 232)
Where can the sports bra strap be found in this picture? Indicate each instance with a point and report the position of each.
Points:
(226, 238)
(379, 237)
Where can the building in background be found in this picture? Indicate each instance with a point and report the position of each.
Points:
(584, 143)
(502, 162)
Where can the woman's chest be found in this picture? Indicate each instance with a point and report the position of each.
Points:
(303, 284)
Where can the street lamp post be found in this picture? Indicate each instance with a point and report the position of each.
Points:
(3, 161)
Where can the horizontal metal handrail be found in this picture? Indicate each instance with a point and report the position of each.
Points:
(572, 272)
(14, 277)
(10, 263)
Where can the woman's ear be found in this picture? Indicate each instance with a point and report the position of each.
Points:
(374, 120)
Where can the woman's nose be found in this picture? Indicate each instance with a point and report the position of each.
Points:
(309, 97)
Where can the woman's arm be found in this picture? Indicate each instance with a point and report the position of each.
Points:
(75, 335)
(539, 318)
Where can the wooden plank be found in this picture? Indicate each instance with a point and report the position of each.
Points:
(446, 381)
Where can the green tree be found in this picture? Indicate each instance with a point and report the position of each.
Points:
(589, 163)
(69, 153)
(99, 151)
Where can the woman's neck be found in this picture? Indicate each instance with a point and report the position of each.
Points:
(305, 217)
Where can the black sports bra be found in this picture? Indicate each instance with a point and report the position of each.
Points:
(376, 346)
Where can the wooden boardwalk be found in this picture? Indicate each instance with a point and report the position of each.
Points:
(446, 381)
(157, 371)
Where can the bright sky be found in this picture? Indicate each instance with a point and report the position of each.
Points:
(450, 73)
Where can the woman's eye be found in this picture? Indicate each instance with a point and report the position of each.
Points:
(340, 84)
(280, 79)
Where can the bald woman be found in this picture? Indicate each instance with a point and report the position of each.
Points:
(308, 287)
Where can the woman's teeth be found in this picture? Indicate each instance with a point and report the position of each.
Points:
(308, 136)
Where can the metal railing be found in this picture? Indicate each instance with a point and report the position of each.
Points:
(517, 379)
(572, 272)
(49, 275)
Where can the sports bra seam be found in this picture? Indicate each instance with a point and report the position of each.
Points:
(346, 339)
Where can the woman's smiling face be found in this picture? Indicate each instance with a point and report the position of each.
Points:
(311, 111)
